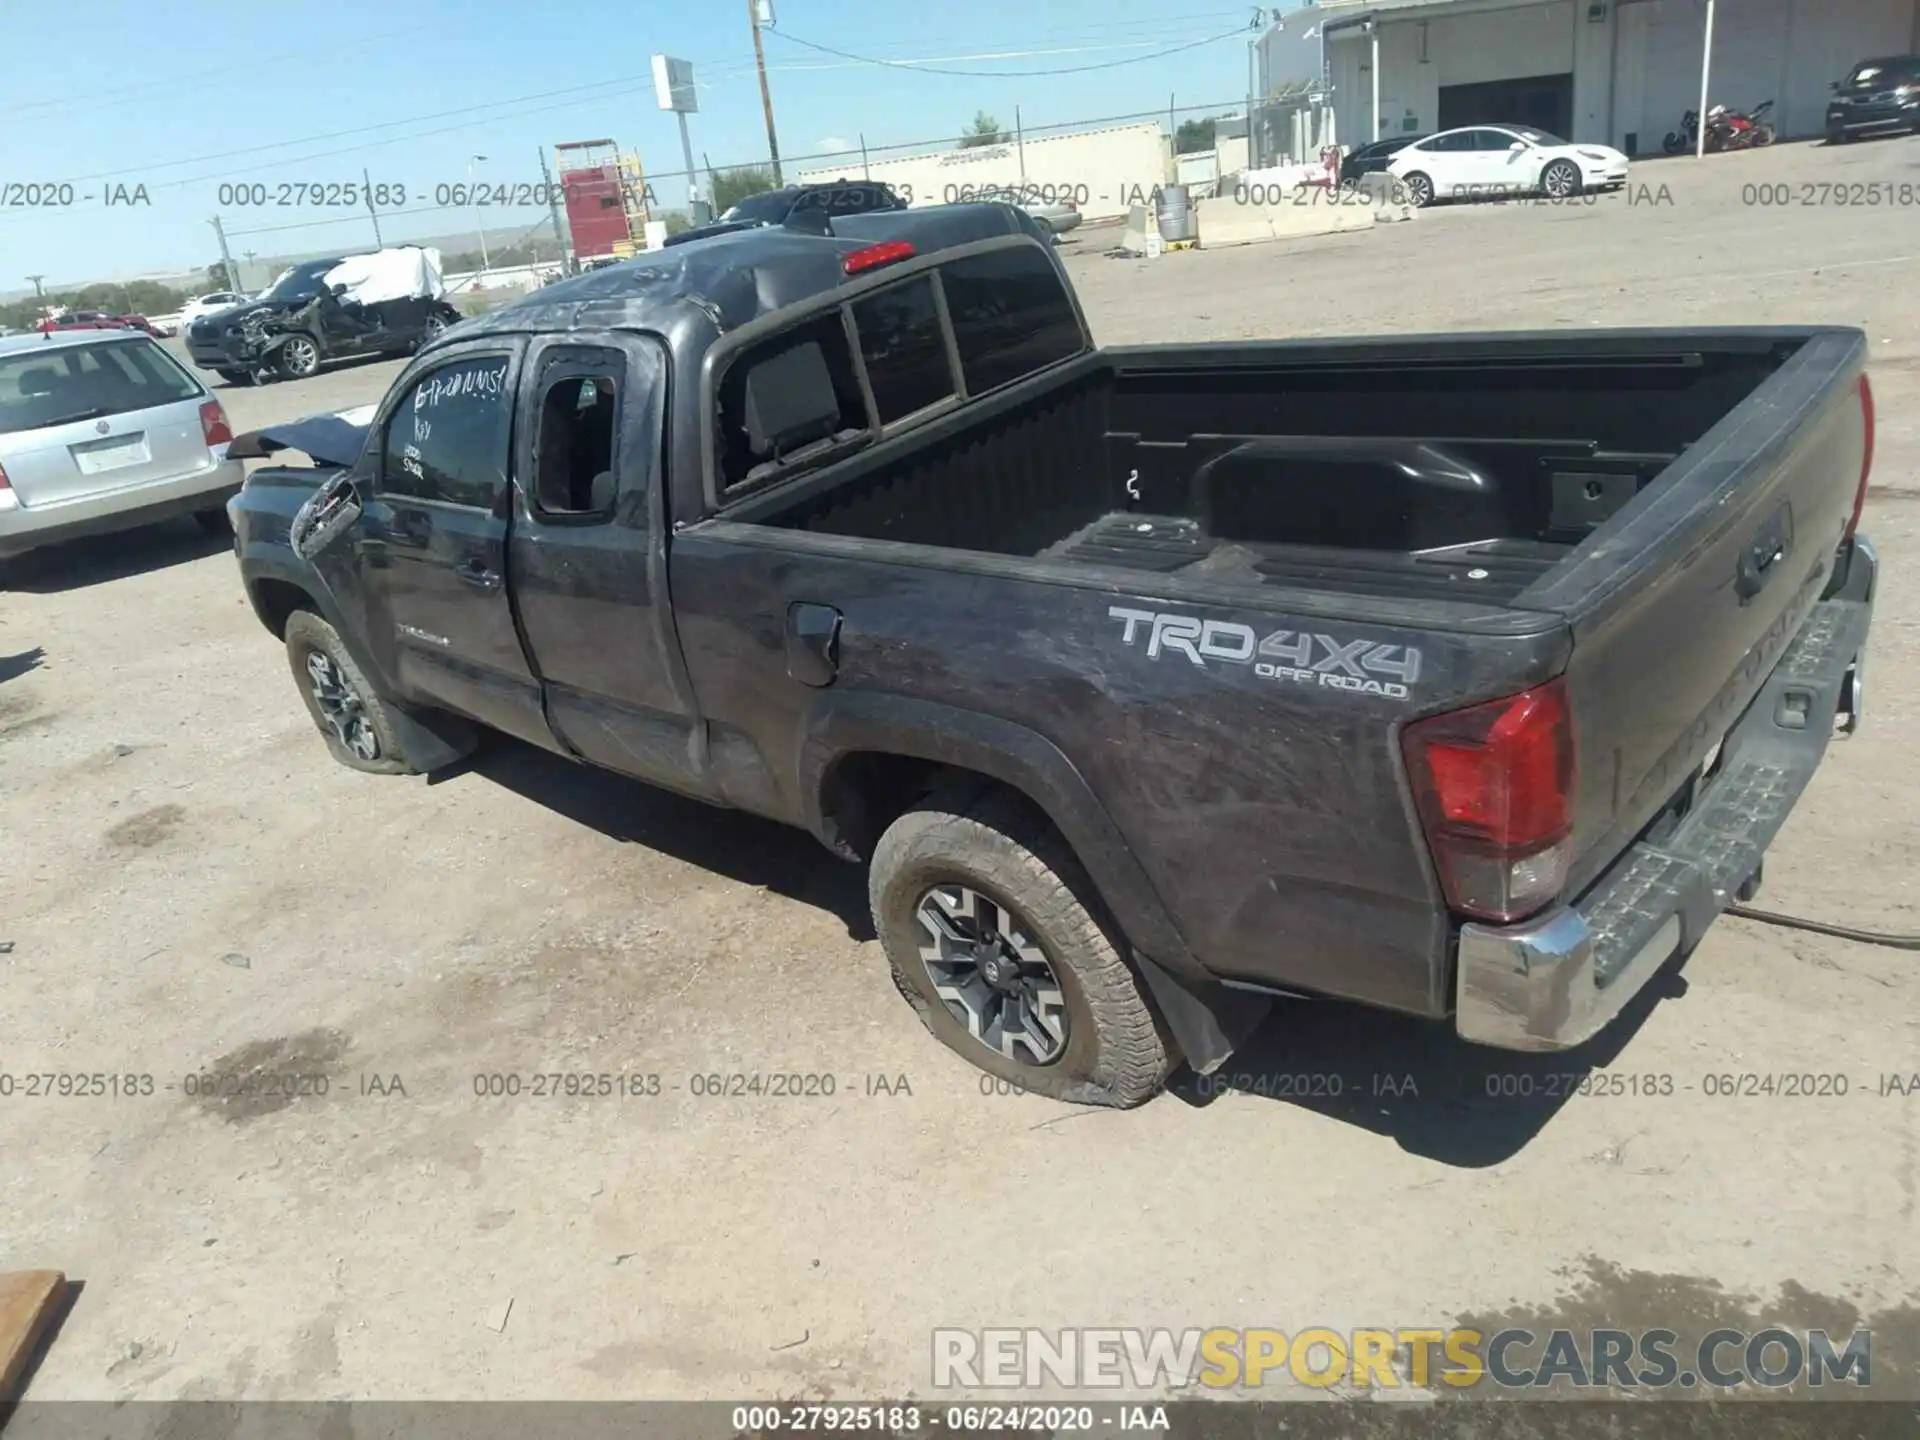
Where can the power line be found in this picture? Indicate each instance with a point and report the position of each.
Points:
(230, 171)
(919, 69)
(631, 82)
(108, 99)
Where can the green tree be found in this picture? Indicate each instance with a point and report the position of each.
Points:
(985, 130)
(728, 188)
(218, 278)
(1193, 136)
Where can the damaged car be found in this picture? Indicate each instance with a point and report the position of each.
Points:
(389, 302)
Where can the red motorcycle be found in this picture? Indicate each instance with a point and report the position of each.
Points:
(1740, 130)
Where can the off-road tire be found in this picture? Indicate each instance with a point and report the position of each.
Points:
(306, 634)
(1116, 1053)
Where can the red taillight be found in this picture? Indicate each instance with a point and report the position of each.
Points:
(874, 256)
(1866, 459)
(1495, 787)
(213, 424)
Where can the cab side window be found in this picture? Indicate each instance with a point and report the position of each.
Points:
(447, 439)
(574, 471)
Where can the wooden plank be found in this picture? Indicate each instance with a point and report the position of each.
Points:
(29, 1299)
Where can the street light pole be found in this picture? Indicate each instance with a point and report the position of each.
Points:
(486, 265)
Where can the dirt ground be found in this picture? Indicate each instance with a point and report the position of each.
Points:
(192, 886)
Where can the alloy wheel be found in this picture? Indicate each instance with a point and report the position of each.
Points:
(344, 713)
(301, 357)
(992, 975)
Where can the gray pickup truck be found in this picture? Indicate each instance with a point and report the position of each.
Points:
(1468, 676)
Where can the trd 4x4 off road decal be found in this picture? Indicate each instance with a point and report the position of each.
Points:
(1299, 656)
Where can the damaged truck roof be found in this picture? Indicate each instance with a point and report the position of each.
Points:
(736, 278)
(723, 282)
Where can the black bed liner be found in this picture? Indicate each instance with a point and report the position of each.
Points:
(1492, 571)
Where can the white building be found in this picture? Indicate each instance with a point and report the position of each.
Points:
(1619, 72)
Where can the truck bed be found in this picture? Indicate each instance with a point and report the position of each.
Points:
(1453, 472)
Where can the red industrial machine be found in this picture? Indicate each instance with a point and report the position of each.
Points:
(606, 199)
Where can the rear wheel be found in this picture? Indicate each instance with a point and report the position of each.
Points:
(346, 709)
(1561, 179)
(1419, 190)
(236, 377)
(989, 924)
(1763, 135)
(435, 327)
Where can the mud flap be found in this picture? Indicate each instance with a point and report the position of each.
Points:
(1210, 1022)
(434, 742)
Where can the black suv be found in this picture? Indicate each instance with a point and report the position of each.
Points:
(302, 322)
(1877, 96)
(799, 206)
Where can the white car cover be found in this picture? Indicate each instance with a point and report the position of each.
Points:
(400, 273)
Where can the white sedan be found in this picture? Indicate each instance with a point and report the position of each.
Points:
(209, 305)
(1500, 160)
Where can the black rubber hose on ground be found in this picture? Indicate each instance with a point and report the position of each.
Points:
(1817, 927)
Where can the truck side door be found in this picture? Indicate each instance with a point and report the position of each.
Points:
(586, 558)
(434, 535)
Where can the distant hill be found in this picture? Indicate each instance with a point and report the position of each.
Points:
(258, 272)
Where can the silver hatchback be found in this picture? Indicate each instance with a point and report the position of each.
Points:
(103, 430)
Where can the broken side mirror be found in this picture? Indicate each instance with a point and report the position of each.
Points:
(328, 514)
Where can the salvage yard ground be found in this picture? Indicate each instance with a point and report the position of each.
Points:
(192, 886)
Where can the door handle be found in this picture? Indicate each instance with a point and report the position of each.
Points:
(476, 574)
(813, 643)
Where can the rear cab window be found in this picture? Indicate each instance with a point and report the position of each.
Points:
(63, 384)
(893, 356)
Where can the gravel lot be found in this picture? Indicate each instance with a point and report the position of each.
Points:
(192, 885)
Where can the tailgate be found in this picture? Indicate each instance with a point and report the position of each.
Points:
(1684, 603)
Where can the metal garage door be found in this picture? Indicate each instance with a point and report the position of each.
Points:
(1544, 102)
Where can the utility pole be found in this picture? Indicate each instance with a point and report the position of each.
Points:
(226, 258)
(372, 214)
(766, 95)
(553, 209)
(39, 294)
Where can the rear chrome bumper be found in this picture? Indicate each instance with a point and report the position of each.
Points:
(1557, 980)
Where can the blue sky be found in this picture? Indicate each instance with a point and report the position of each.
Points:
(206, 91)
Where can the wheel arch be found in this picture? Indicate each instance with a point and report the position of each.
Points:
(867, 757)
(865, 754)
